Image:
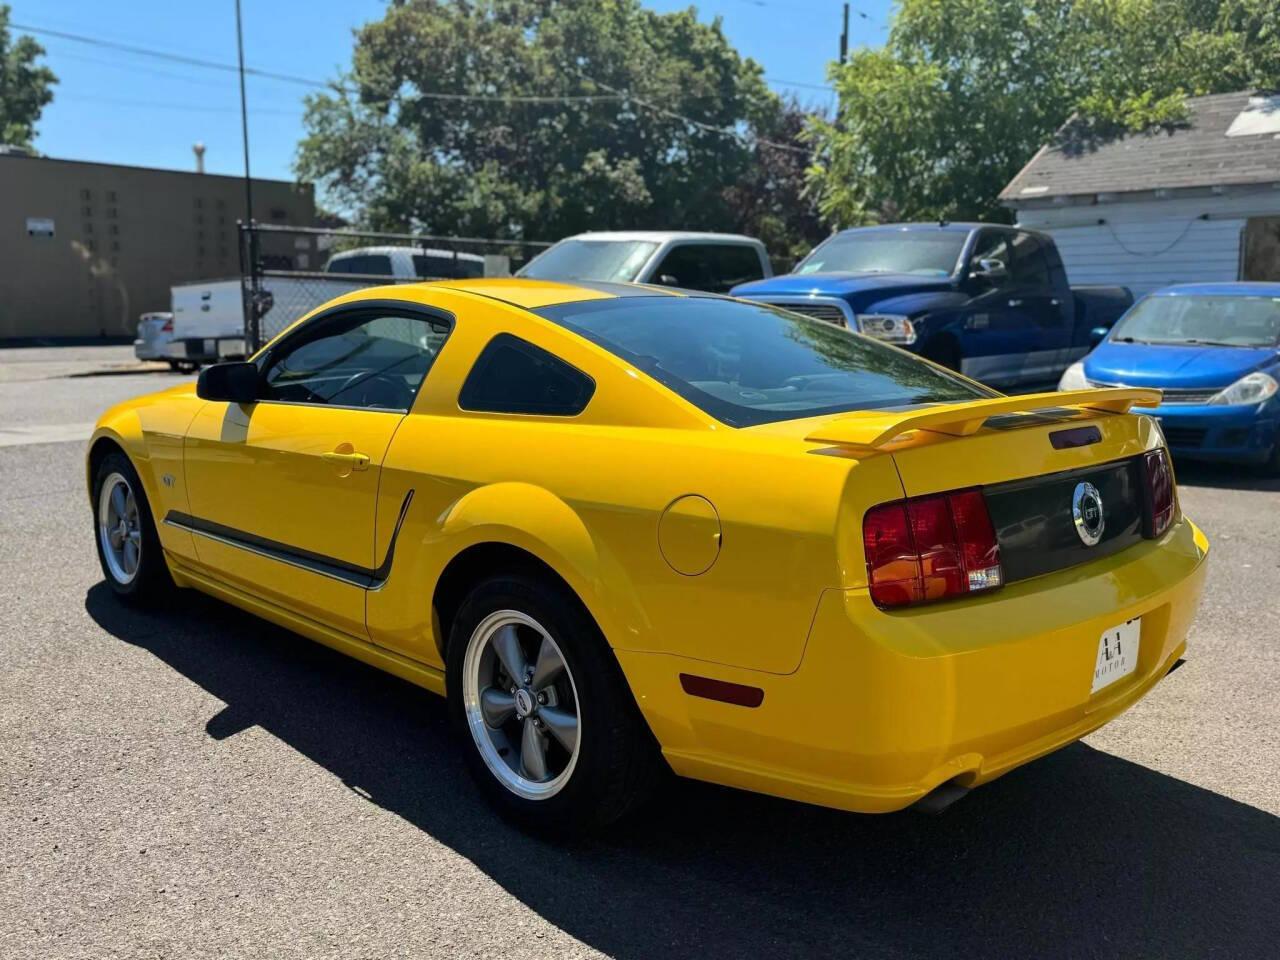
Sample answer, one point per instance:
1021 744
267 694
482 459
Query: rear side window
513 376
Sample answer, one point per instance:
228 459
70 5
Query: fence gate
286 272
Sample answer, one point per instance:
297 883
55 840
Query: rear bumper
886 706
1220 433
149 349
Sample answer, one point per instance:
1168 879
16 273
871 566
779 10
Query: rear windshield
749 363
1203 320
609 260
925 253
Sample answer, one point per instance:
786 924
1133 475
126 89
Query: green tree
596 114
965 92
24 86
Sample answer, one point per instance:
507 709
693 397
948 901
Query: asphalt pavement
196 783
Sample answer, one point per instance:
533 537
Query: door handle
1015 303
356 461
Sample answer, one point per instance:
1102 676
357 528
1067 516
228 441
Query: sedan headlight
889 327
1073 378
1250 389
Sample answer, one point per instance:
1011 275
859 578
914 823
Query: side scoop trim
367 578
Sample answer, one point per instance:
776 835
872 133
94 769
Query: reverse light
930 548
889 327
1159 490
1249 389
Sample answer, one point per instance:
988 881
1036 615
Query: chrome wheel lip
484 736
119 529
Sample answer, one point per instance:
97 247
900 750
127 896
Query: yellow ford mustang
618 524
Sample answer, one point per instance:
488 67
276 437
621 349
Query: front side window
513 376
714 267
993 245
372 264
373 359
924 253
445 266
749 363
585 259
1030 268
1203 320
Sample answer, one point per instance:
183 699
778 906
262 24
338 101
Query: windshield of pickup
926 253
749 363
610 260
1202 320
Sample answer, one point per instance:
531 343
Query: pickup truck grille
1174 395
818 310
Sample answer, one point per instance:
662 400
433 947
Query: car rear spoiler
875 428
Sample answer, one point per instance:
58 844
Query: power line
616 95
301 81
165 105
708 127
825 88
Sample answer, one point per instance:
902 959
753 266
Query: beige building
86 247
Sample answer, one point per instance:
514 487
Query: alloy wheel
119 528
521 704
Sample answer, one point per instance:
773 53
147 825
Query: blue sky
117 107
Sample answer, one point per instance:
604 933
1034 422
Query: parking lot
194 782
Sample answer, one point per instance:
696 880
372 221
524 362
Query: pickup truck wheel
942 352
129 548
553 736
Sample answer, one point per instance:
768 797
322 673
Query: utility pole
844 37
244 121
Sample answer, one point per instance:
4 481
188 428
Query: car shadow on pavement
1079 854
1226 476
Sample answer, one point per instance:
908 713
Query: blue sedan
1214 349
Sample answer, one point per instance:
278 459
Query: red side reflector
930 548
736 693
1160 488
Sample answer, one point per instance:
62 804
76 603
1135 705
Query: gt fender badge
167 479
1087 513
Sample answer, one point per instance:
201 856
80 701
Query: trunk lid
1027 455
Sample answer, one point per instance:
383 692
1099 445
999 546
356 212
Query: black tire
1272 465
618 763
150 582
943 352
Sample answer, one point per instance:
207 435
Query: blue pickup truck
990 301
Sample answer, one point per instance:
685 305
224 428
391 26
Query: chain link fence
286 272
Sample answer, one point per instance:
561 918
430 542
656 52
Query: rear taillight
167 326
930 548
1159 490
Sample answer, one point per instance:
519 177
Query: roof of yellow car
531 294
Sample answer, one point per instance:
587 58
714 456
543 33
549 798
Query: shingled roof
1198 154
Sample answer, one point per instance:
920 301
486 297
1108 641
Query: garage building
86 247
1200 202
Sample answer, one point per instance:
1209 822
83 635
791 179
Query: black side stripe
367 578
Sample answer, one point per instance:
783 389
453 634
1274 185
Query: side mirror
230 382
1097 335
667 280
991 270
